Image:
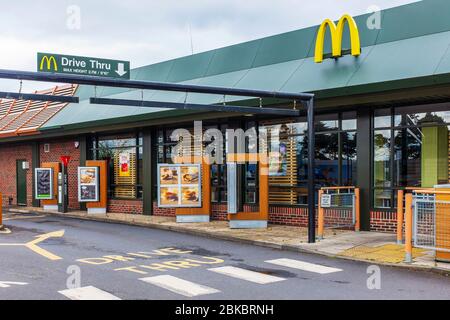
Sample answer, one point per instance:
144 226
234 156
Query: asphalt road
110 260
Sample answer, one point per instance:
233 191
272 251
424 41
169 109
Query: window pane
349 121
408 158
349 158
424 115
422 156
382 118
327 122
382 151
383 198
327 163
302 160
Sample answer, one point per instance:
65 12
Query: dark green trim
147 192
364 160
35 163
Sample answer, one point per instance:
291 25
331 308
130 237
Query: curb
259 243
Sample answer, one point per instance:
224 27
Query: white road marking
7 284
180 286
247 275
305 266
88 293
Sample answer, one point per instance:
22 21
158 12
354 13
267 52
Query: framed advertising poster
43 183
179 186
88 184
278 161
124 164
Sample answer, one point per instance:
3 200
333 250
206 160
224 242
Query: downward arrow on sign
121 69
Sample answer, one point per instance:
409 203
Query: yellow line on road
32 245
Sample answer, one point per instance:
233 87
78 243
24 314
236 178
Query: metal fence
338 209
431 221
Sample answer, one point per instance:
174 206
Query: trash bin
443 224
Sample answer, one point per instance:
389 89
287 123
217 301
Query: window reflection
414 152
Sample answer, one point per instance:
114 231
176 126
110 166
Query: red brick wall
9 154
163 212
383 221
125 206
65 147
296 216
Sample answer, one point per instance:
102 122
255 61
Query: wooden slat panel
290 179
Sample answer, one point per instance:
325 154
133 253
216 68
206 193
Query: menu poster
44 183
179 186
124 164
88 184
278 162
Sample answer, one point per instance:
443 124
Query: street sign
57 63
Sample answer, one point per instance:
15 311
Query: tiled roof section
20 117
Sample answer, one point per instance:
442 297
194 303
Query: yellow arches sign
336 37
48 60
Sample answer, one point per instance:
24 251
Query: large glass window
124 156
411 149
335 155
164 146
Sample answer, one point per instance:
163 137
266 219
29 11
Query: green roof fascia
126 119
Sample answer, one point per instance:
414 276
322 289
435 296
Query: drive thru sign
57 63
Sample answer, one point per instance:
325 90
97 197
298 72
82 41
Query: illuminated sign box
88 184
179 186
43 183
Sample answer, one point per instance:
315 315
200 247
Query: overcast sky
146 32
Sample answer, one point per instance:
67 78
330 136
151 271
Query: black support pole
311 182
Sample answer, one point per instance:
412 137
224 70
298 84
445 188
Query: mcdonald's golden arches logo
49 61
336 37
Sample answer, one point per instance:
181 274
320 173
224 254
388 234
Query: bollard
320 218
400 216
357 210
408 227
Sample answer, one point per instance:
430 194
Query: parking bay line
247 275
179 286
305 266
88 293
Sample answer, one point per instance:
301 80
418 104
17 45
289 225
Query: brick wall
9 154
65 147
383 221
125 206
163 212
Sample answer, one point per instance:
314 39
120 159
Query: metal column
311 182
